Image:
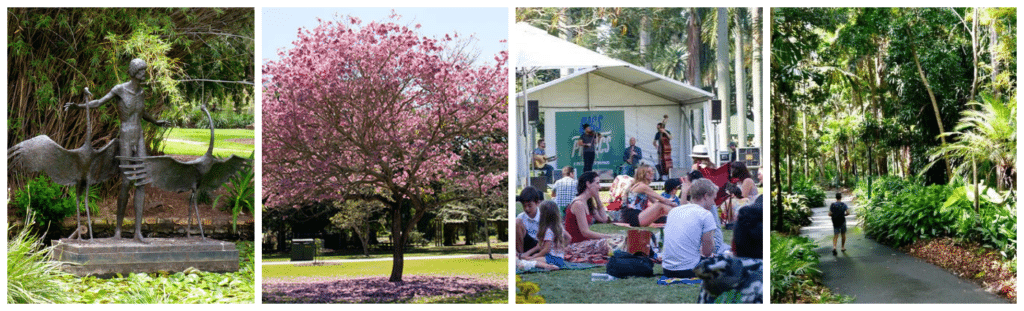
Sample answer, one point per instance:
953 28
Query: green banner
569 126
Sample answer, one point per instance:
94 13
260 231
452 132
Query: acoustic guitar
539 161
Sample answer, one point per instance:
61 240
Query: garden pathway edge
874 273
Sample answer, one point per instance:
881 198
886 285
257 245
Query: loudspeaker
716 111
533 110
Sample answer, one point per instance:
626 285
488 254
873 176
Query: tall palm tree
986 134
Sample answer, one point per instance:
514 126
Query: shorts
529 242
555 261
680 274
631 216
839 229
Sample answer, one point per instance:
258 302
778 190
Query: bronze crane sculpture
204 173
81 167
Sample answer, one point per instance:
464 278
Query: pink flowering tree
378 112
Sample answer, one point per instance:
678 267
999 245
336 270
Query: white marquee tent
601 83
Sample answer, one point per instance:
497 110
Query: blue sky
489 25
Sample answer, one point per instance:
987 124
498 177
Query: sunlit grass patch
196 141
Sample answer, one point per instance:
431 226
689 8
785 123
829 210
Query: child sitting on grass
551 249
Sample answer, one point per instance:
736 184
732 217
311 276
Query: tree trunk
777 175
398 245
993 40
722 76
935 104
364 239
756 73
694 44
645 39
741 89
974 53
487 234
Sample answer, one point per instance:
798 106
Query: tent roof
536 50
637 78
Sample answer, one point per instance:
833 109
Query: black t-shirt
838 210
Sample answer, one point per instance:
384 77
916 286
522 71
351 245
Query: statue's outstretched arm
94 103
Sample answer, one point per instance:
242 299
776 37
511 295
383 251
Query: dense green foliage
241 195
31 276
191 286
48 201
795 213
859 92
54 53
901 212
794 272
815 195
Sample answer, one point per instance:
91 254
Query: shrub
241 194
47 201
31 276
794 272
815 195
901 212
527 292
795 214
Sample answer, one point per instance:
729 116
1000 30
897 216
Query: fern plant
241 194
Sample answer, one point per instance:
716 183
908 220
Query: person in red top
585 209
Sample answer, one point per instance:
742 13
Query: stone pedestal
107 257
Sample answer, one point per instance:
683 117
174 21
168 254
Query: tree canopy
376 111
875 91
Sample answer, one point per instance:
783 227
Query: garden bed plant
794 272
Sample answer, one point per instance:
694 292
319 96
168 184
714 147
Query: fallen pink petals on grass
376 289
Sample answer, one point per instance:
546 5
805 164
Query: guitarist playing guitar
540 162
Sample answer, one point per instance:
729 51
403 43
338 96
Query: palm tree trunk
756 72
694 44
741 89
935 104
722 76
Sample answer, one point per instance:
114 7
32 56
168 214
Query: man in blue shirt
632 157
540 161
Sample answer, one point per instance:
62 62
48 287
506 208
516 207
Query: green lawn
574 286
478 268
479 249
196 141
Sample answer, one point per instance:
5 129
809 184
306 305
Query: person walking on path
838 211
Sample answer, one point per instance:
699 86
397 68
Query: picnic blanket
654 225
592 251
568 266
672 281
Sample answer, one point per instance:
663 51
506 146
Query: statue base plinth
107 257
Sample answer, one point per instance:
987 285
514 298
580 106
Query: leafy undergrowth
414 289
191 286
970 261
794 272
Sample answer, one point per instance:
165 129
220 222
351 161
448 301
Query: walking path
875 273
270 263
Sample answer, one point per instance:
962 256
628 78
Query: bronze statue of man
131 110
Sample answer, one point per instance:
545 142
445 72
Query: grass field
196 141
575 286
480 249
478 268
